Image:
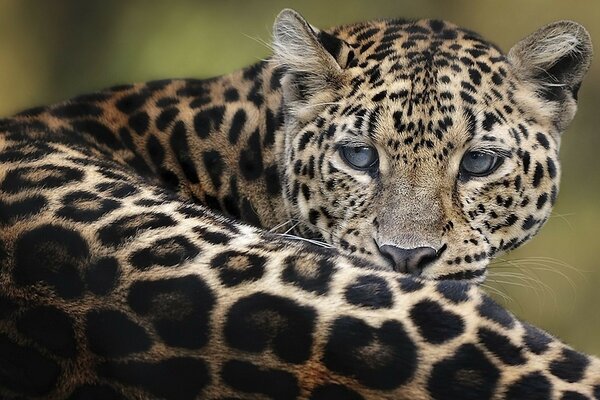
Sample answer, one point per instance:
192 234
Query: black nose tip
409 260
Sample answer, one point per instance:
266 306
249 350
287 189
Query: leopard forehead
422 88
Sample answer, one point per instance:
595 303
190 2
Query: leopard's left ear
312 61
555 59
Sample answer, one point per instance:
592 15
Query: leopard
314 226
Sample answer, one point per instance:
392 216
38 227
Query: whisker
533 265
563 217
541 264
281 225
258 40
311 241
313 226
505 297
505 291
519 271
560 263
291 228
548 262
513 283
536 284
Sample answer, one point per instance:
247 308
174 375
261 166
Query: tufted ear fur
555 59
311 61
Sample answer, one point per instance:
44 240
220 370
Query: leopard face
419 145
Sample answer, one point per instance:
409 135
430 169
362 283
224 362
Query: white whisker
311 241
498 292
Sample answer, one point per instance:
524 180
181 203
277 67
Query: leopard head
420 146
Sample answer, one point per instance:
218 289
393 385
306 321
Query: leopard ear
311 61
555 59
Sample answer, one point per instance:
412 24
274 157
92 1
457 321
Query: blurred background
53 50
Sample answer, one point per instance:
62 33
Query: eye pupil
360 157
476 163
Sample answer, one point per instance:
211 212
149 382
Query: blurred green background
54 49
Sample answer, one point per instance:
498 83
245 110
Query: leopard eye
476 164
360 157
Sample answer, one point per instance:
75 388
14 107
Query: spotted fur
129 266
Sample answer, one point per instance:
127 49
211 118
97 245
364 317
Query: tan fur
129 266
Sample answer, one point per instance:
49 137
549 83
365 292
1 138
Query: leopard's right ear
312 62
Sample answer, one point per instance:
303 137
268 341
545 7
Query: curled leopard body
144 230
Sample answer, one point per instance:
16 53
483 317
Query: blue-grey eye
476 163
360 157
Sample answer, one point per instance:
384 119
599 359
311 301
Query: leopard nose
411 261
